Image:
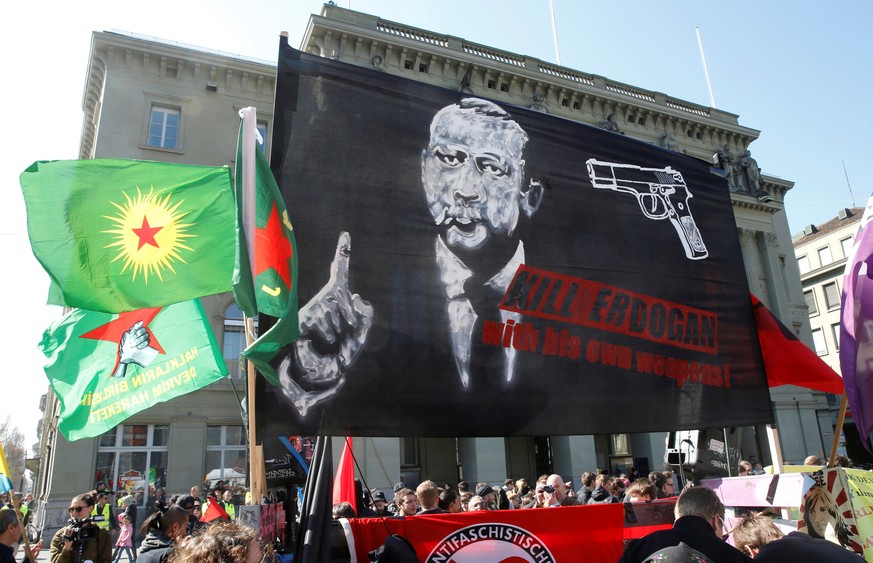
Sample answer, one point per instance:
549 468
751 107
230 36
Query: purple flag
856 330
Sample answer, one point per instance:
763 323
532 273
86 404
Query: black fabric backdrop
347 148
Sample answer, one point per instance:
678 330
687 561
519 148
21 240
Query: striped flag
5 481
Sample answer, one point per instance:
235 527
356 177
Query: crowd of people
697 535
173 531
102 531
548 491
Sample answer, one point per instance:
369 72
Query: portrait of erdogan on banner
473 175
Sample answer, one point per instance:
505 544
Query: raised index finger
339 268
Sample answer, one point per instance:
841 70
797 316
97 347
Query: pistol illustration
661 194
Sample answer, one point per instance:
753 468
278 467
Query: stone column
483 459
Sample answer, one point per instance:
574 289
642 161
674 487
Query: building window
803 264
492 85
133 458
832 296
262 130
234 340
504 87
818 339
836 330
422 68
164 127
225 456
809 295
619 444
846 245
409 452
824 256
577 105
407 64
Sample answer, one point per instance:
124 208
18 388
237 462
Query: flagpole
838 429
555 31
15 505
255 465
257 476
705 70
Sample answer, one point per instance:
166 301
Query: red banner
541 535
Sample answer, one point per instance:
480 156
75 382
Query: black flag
313 535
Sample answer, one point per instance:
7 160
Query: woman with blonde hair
221 542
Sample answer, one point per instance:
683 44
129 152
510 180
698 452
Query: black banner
471 268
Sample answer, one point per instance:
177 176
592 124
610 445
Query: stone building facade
822 252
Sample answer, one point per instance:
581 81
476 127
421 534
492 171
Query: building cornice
172 62
356 37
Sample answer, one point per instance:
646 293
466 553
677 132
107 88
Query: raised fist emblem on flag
134 349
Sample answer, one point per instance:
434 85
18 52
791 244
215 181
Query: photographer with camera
81 540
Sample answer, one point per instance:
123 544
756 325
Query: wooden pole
256 462
775 448
838 430
15 507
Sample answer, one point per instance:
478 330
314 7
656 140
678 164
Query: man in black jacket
10 535
699 525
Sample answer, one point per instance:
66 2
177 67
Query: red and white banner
539 535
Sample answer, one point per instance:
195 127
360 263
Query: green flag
107 367
265 274
118 235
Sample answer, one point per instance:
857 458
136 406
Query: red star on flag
113 330
146 233
273 249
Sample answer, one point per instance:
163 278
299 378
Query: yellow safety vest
230 508
107 514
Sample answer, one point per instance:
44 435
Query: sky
800 72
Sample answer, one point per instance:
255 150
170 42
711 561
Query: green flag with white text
119 235
107 367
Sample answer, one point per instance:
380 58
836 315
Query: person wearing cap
186 503
380 504
488 495
699 525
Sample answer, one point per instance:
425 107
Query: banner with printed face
548 535
836 507
468 267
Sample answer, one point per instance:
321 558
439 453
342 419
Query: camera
547 489
81 530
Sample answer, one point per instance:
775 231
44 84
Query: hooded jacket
155 548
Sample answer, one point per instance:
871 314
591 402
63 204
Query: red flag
543 535
344 484
214 510
787 360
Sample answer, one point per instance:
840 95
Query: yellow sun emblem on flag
149 234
